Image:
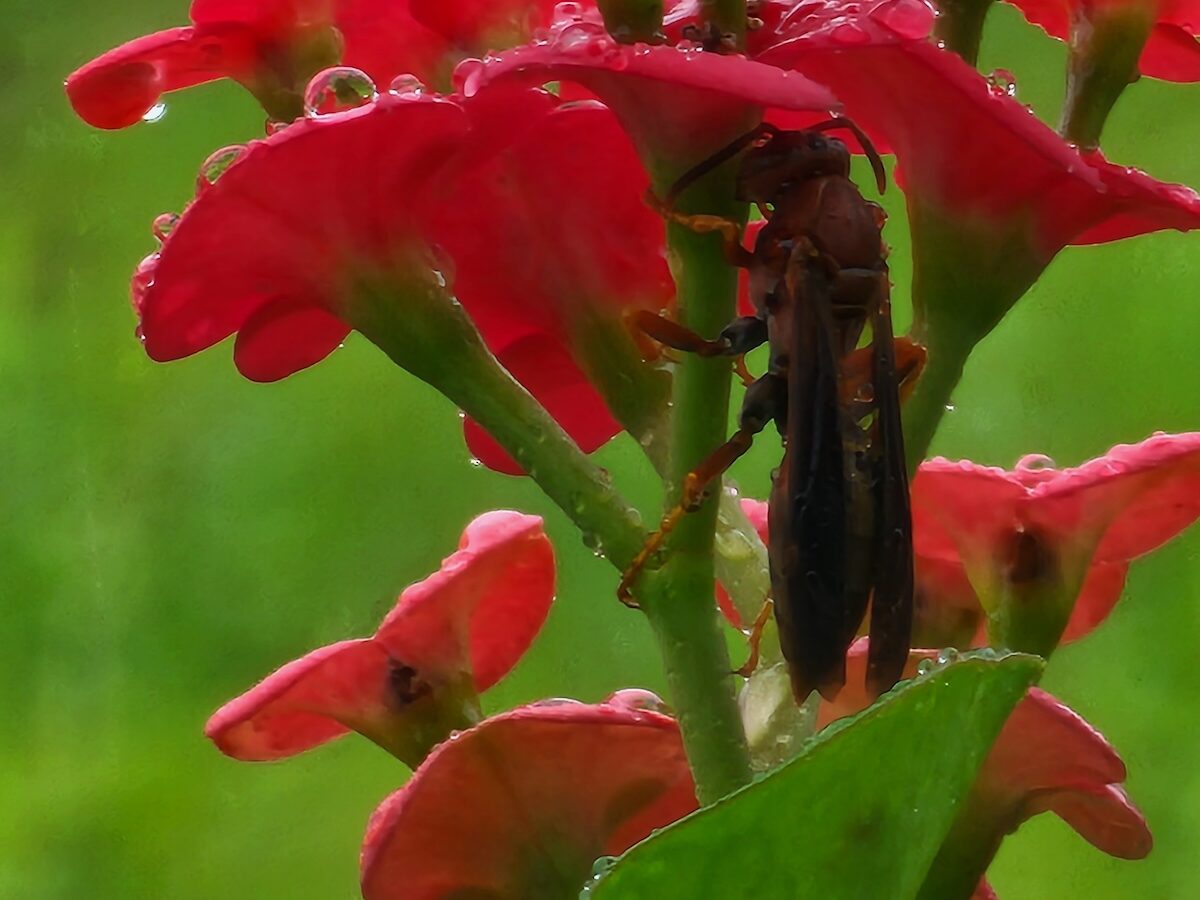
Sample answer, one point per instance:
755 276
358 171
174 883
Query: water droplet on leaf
337 90
946 656
925 666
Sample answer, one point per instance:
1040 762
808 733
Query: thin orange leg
754 639
694 486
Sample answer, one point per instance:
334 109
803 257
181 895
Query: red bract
1171 51
1046 759
524 803
272 47
450 636
673 101
332 206
1055 543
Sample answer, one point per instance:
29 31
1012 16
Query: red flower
524 803
673 101
1046 759
449 637
1047 549
1171 51
272 47
280 245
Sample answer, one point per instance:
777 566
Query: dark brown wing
892 601
808 503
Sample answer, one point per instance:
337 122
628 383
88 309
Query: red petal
541 789
115 90
477 26
948 126
1104 817
983 891
670 100
282 338
1101 590
309 701
961 504
293 220
481 610
546 220
1138 496
542 365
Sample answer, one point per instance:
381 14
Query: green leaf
860 814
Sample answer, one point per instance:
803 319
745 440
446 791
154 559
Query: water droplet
1002 83
568 12
550 702
946 656
849 33
475 462
163 225
462 414
602 865
218 163
467 75
274 126
1036 462
638 699
585 38
406 86
337 90
925 666
143 278
910 19
155 113
950 407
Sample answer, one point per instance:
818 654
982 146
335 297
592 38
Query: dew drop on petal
143 278
338 89
217 164
1002 83
849 33
550 702
164 224
637 699
155 113
910 19
1035 462
406 86
466 76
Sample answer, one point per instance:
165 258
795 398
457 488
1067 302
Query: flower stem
727 17
1104 51
678 599
427 332
960 25
930 401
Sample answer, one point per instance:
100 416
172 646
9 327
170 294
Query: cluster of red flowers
461 178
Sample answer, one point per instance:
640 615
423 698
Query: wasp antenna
865 142
765 130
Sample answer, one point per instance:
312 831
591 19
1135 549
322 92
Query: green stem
960 26
1105 47
965 855
678 599
428 333
924 410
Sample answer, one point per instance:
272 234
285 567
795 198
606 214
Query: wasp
840 522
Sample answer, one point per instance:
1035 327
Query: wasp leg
754 639
764 399
730 231
736 340
760 134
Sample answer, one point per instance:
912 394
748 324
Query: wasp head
786 159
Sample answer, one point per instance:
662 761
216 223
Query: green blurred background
169 534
